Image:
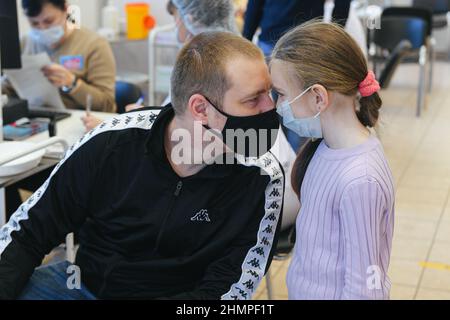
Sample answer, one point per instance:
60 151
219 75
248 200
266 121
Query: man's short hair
201 67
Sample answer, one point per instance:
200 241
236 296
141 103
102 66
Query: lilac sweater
345 226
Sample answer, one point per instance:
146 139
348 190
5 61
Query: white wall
401 2
157 9
91 12
23 24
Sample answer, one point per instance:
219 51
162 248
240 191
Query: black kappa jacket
144 231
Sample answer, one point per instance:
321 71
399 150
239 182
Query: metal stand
422 80
432 60
152 46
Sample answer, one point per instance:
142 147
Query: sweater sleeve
253 15
362 211
100 80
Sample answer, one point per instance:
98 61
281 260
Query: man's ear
321 96
198 108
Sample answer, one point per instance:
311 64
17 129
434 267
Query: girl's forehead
283 74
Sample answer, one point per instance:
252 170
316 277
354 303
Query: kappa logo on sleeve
201 216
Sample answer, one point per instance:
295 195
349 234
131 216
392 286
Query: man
150 226
193 17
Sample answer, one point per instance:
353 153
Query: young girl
346 189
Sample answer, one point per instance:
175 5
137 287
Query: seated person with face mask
152 226
83 66
83 61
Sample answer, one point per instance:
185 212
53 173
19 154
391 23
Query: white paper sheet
31 84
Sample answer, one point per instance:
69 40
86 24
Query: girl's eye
277 93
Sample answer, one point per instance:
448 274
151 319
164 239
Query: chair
395 29
427 15
285 245
439 8
441 17
126 93
392 62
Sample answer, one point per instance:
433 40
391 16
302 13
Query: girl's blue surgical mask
48 37
305 127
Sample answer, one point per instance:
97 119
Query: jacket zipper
112 265
106 274
176 194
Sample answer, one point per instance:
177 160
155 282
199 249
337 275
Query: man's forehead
248 76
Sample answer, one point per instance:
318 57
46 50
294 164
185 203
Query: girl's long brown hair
323 53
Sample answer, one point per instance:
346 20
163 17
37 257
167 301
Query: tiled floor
418 150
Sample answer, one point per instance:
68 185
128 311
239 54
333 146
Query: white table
70 129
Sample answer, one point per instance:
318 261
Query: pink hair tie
369 85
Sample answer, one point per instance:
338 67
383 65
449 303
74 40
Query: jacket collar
154 147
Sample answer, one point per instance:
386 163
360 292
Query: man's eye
253 100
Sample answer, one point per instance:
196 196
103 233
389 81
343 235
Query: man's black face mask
250 136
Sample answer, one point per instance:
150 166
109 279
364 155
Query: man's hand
58 75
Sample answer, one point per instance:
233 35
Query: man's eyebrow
257 93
